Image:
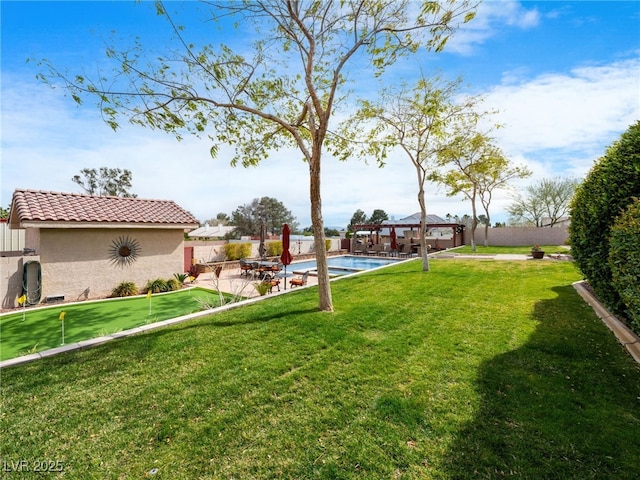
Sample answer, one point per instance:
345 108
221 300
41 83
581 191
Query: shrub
157 286
236 251
624 261
262 287
125 289
181 277
327 245
173 284
598 201
274 249
194 272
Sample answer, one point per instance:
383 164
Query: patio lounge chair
299 281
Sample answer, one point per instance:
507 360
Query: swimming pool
343 264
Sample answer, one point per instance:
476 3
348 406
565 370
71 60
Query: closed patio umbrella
261 249
286 255
394 239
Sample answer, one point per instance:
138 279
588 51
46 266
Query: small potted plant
537 252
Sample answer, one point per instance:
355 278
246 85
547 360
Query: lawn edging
625 336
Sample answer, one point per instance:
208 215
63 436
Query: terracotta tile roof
41 206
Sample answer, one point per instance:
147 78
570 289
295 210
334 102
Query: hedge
624 261
599 200
236 251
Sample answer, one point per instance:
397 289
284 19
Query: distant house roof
415 218
36 208
209 231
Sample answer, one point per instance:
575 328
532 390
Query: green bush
274 249
236 251
327 245
598 201
624 261
125 289
181 277
158 285
174 284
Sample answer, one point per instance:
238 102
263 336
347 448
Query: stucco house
82 246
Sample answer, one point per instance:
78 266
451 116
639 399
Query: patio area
232 282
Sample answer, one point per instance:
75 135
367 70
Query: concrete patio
231 281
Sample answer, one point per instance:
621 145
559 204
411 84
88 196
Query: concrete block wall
519 236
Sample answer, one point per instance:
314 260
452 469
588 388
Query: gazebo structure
382 230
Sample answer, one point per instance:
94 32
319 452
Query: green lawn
482 250
472 370
32 330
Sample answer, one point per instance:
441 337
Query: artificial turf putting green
41 328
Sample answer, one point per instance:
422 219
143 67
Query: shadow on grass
546 410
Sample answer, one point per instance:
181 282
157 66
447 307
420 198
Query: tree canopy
249 218
543 203
105 181
279 92
220 219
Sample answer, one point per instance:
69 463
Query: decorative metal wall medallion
124 251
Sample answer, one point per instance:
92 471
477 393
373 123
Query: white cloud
580 110
490 17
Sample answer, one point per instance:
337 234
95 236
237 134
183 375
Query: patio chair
271 281
258 271
300 281
245 267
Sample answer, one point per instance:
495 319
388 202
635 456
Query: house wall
11 279
519 236
77 263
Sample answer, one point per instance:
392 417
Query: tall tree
498 173
358 217
416 120
248 218
220 219
378 216
474 167
105 181
281 91
544 202
462 162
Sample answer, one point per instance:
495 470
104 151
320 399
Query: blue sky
565 77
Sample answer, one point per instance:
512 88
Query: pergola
456 228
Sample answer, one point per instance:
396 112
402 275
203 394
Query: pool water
343 265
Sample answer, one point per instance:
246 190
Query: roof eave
109 225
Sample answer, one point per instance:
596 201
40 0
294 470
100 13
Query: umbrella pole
285 277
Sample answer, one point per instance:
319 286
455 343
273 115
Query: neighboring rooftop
40 208
211 231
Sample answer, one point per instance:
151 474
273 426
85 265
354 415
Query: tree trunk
486 235
423 230
474 220
486 230
325 303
